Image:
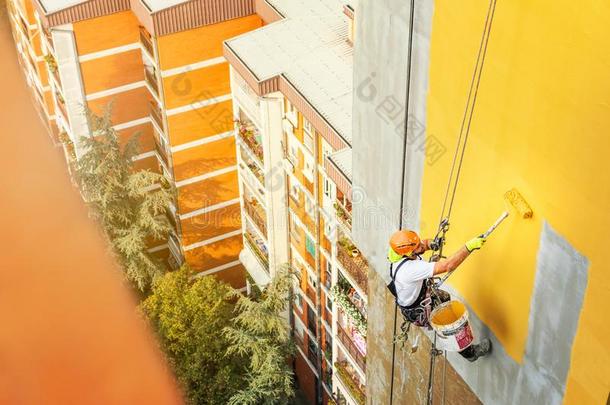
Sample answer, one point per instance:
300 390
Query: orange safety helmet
404 242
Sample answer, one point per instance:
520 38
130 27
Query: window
310 246
327 150
311 281
292 113
310 208
328 188
329 304
329 230
308 169
294 230
298 302
295 193
293 151
308 135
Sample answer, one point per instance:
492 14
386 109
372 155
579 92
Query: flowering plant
351 311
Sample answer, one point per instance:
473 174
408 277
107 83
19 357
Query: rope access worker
412 280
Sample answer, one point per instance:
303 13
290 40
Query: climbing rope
456 167
404 168
452 183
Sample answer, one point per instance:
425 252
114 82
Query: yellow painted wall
541 125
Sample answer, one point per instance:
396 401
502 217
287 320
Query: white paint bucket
450 322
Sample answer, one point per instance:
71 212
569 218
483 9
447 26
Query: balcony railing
151 79
345 338
261 256
146 41
176 252
252 166
155 113
248 134
343 215
351 383
328 317
257 215
353 262
55 73
311 293
162 153
298 340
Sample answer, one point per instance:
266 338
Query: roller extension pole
496 224
485 235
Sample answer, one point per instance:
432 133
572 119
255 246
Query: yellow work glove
475 243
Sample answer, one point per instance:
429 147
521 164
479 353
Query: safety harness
418 313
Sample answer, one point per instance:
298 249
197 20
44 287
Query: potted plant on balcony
341 298
51 63
349 246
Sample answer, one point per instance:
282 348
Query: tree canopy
261 335
129 204
189 316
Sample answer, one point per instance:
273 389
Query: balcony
48 37
146 41
312 353
353 262
251 137
175 260
350 346
344 215
252 165
151 80
328 317
351 382
162 153
311 293
258 248
156 115
256 214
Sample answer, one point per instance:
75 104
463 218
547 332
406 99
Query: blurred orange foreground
69 332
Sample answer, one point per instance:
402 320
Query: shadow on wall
559 289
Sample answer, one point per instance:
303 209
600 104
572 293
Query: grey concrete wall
381 57
380 100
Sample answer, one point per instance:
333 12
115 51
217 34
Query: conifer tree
129 204
260 334
189 315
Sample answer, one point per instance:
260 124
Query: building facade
159 66
294 164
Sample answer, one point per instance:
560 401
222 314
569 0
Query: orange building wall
201 122
111 31
203 43
112 71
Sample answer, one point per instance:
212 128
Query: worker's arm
452 262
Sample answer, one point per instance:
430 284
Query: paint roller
514 198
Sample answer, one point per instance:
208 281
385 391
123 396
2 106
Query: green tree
189 316
129 204
260 334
